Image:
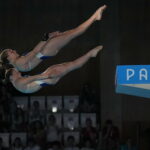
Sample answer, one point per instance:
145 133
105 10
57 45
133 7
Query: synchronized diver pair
13 64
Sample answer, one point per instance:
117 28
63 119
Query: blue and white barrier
133 80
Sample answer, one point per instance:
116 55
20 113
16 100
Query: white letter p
130 73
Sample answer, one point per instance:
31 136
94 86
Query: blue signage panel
133 74
130 77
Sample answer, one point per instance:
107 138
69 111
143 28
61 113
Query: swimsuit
41 56
41 83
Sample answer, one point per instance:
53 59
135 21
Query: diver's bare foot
94 51
99 12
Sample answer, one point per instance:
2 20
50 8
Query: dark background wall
124 32
135 49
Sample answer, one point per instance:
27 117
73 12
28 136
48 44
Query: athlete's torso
27 65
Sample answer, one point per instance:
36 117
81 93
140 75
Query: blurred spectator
88 99
32 145
71 144
55 146
35 112
1 145
2 119
37 132
4 123
5 94
110 136
18 120
5 102
17 144
13 107
87 145
5 98
52 130
89 132
128 145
